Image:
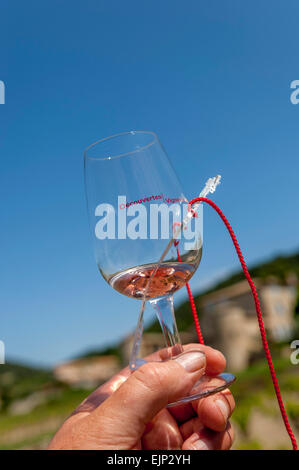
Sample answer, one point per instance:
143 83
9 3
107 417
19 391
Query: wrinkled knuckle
150 376
229 400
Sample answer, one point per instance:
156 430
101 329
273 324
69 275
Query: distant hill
20 371
106 351
280 267
17 381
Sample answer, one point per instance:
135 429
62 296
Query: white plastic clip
210 186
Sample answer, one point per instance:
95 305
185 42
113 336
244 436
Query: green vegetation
250 445
59 405
35 427
253 390
113 350
17 381
293 411
280 267
36 442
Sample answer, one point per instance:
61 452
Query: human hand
128 411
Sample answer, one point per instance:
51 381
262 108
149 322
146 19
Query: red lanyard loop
258 311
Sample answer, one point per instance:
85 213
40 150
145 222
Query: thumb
121 420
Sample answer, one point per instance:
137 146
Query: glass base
206 386
136 364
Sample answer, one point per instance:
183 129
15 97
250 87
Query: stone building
229 321
87 372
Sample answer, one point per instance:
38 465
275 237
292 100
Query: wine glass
136 206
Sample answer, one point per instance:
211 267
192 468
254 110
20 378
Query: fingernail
192 361
223 408
200 445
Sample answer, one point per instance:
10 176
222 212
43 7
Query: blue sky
211 78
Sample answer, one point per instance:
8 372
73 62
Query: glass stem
164 310
134 361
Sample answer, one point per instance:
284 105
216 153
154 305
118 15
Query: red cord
258 311
192 303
